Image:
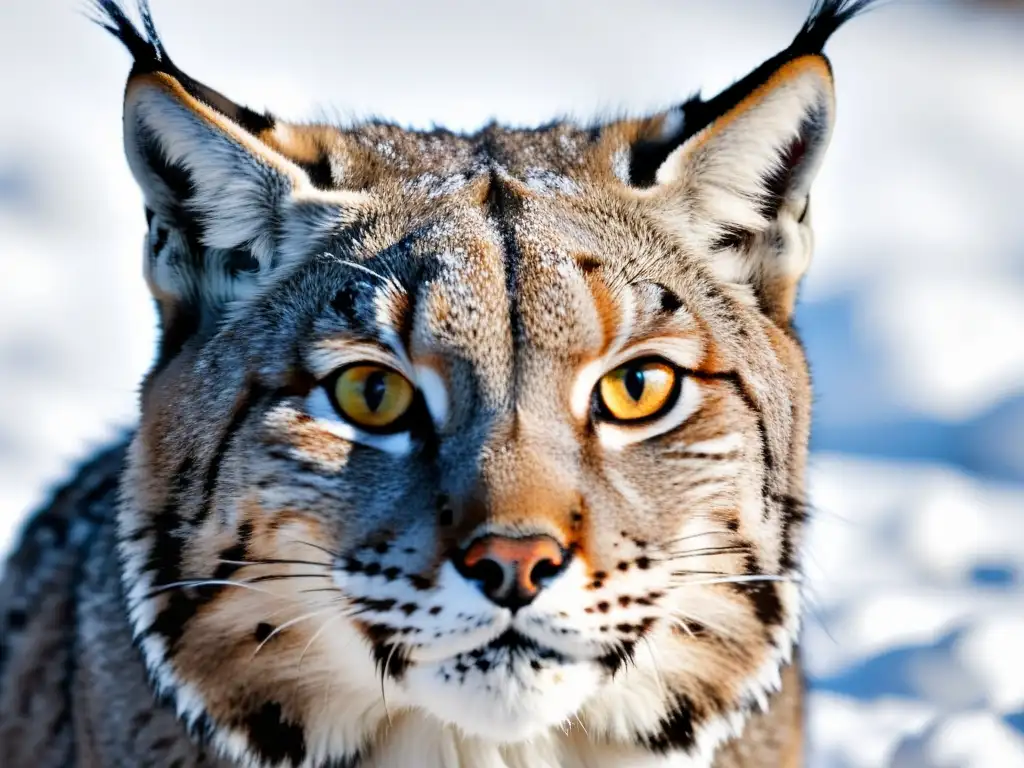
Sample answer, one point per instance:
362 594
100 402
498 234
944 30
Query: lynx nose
512 571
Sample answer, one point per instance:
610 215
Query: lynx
472 450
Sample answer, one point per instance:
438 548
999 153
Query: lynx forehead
459 449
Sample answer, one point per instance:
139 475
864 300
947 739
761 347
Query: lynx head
494 438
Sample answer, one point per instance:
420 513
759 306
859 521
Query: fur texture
274 585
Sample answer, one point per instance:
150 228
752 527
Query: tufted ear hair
734 173
227 208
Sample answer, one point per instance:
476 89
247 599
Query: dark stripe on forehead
502 206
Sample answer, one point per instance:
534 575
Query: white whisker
740 579
680 617
316 634
656 669
581 724
383 678
287 624
209 583
273 561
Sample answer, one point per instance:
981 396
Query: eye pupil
634 383
374 389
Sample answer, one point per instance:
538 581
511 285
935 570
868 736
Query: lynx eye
638 390
372 396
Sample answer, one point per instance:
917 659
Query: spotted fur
252 580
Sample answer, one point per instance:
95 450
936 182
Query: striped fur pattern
276 587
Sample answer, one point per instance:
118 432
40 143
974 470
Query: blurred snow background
913 313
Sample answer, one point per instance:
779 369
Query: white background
913 314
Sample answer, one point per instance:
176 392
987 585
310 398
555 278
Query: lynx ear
227 209
747 177
761 155
734 173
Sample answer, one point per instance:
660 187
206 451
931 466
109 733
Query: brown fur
293 590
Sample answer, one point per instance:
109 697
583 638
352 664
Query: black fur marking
178 181
779 182
618 657
732 238
647 155
159 239
345 301
320 173
763 595
766 453
146 49
588 263
794 514
175 333
391 659
166 557
247 400
670 301
353 760
275 739
149 56
825 18
421 583
502 209
234 554
240 261
165 560
676 729
445 515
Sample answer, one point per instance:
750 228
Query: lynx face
495 439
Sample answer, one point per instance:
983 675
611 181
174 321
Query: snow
913 313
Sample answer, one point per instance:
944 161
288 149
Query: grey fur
251 579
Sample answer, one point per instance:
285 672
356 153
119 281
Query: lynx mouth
511 652
516 644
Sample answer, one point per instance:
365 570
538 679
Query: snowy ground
914 312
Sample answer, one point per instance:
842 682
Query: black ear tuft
825 18
150 56
145 48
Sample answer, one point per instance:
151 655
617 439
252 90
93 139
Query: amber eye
372 396
638 390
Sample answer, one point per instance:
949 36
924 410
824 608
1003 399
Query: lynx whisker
293 622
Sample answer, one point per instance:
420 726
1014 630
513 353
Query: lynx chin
469 450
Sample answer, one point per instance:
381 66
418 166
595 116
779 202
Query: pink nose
512 571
